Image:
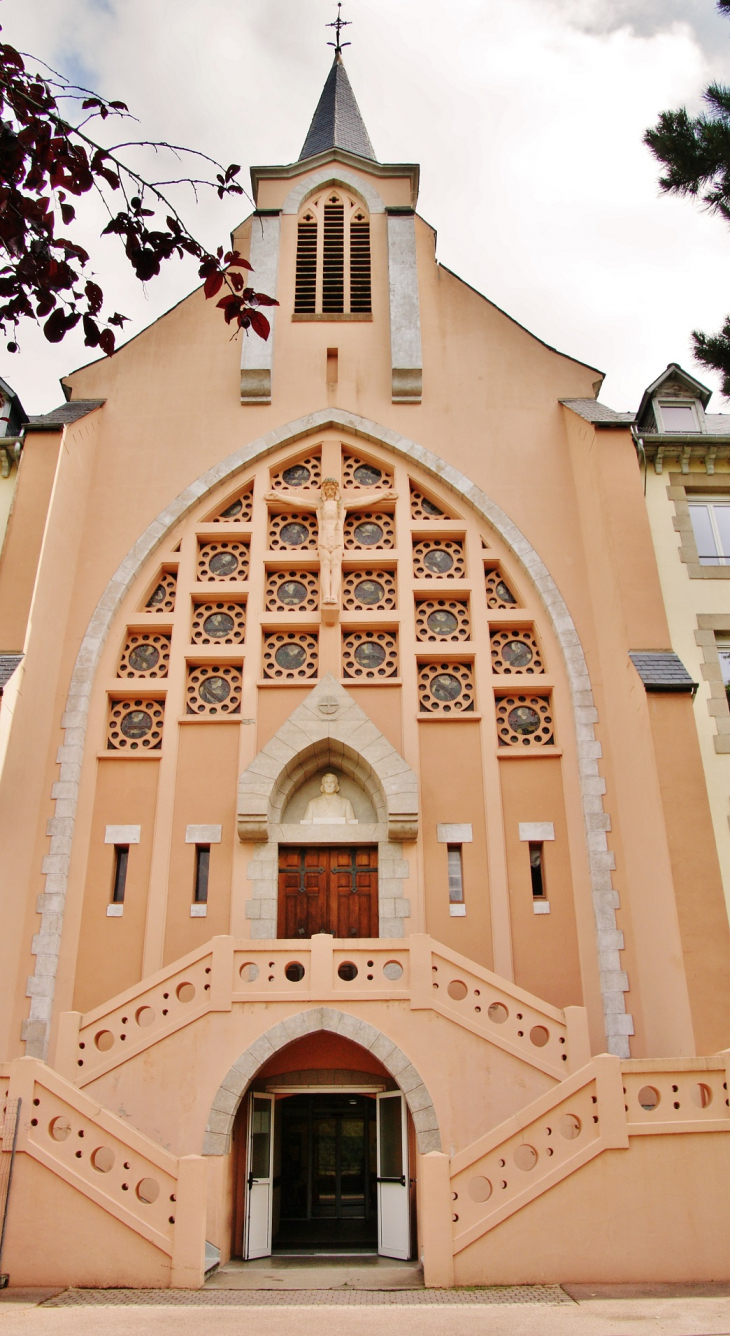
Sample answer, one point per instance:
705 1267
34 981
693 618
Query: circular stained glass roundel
523 719
233 510
143 658
223 563
290 656
429 508
369 591
446 687
297 476
367 475
217 625
369 654
292 592
136 724
368 534
294 534
158 596
504 593
517 654
214 690
438 560
442 622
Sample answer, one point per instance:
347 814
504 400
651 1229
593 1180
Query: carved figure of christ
330 508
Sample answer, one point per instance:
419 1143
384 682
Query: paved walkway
539 1310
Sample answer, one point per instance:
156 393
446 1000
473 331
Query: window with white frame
711 526
723 653
675 416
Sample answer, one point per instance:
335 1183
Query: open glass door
260 1165
393 1184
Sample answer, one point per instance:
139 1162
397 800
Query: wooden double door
328 890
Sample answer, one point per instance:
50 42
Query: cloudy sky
526 116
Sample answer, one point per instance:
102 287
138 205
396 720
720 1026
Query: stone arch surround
217 1139
609 941
333 174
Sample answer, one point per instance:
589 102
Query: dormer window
676 416
333 257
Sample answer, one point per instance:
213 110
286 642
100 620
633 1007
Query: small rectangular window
333 358
711 527
202 867
121 859
678 417
723 653
537 871
456 877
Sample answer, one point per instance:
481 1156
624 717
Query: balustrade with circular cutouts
293 531
219 622
145 654
156 1009
672 1096
135 724
446 687
213 689
499 589
223 561
370 655
290 655
498 1015
442 619
439 559
365 529
368 589
303 472
292 591
236 510
162 595
363 475
515 651
525 720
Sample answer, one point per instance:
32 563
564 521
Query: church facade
359 885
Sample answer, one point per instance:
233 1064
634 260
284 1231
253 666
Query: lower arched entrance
324 1155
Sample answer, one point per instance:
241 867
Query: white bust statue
329 809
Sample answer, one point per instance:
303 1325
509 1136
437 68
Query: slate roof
599 414
337 122
61 417
662 670
8 664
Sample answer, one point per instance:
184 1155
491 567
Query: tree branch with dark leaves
44 160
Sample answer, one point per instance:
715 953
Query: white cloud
527 118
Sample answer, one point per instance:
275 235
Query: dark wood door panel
328 890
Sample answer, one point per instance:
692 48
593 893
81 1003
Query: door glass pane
324 1150
391 1138
352 1167
722 521
260 1137
704 537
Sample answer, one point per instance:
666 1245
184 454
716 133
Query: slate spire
337 122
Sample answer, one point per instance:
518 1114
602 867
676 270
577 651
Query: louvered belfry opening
333 270
305 297
360 294
333 259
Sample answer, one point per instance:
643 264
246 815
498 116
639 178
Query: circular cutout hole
701 1095
497 1013
148 1190
649 1097
144 1016
347 971
185 992
294 972
569 1126
393 970
539 1036
457 990
249 972
104 1040
525 1157
480 1188
102 1159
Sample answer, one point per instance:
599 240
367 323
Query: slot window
537 872
202 868
456 874
121 862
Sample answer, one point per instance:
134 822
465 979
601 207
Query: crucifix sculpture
330 508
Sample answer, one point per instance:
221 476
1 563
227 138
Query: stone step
318 1272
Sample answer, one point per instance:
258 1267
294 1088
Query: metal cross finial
338 25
